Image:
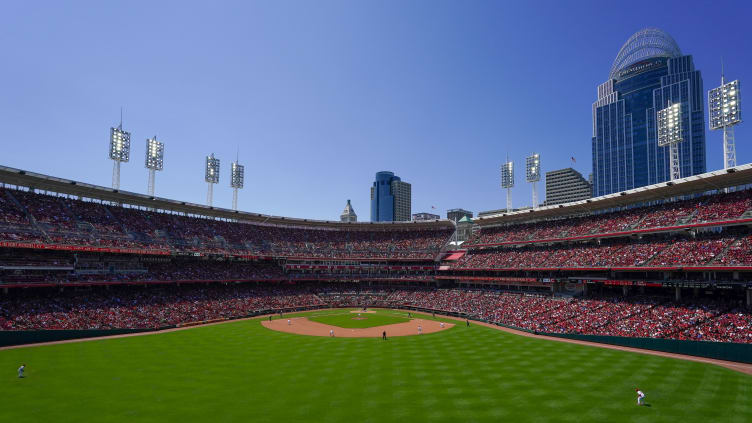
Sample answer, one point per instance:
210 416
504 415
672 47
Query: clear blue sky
320 95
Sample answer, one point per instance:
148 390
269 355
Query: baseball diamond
239 371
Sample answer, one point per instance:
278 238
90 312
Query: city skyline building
348 215
424 216
649 74
391 198
566 185
455 215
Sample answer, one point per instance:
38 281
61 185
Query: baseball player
420 329
640 397
331 332
442 325
383 336
21 370
288 322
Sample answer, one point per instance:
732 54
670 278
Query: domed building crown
644 44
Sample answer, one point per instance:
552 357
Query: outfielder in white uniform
640 397
21 370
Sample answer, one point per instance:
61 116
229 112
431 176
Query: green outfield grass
243 372
349 320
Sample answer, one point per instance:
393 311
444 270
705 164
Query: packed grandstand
672 262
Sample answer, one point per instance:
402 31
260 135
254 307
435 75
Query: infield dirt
303 326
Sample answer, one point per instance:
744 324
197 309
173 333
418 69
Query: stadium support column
677 293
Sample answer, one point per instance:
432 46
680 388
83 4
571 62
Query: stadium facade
391 198
649 73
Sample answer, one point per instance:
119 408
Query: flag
573 159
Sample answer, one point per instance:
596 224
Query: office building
455 215
566 185
391 199
649 73
417 217
348 215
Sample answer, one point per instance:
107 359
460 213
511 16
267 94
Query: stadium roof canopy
698 184
644 44
17 177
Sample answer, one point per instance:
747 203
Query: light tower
670 134
507 181
237 175
154 160
120 151
724 110
532 174
211 176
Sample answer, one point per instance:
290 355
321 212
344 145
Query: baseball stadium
625 296
130 307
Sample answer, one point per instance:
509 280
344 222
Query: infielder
331 332
442 325
640 397
288 322
420 329
21 370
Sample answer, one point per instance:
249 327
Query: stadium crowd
728 249
719 207
35 217
155 306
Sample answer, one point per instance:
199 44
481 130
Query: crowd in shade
731 249
652 317
148 307
124 270
36 217
715 208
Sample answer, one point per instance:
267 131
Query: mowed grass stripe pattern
348 319
241 371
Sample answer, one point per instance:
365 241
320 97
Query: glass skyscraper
390 198
648 74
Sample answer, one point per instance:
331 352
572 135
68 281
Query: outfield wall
22 337
718 350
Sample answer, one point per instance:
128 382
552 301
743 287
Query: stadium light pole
670 134
154 161
507 181
237 176
211 176
724 110
120 150
532 174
